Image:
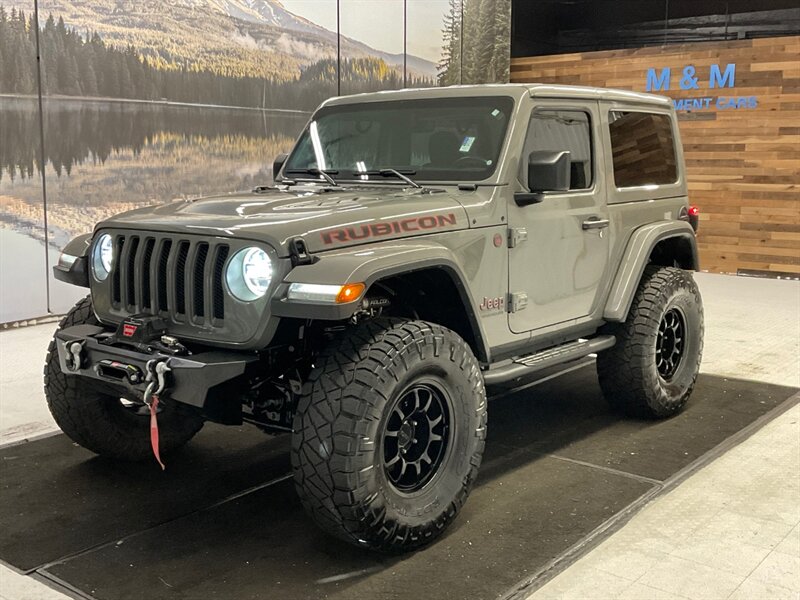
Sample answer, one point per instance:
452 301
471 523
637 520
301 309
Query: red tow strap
154 430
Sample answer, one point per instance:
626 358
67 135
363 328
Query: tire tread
347 389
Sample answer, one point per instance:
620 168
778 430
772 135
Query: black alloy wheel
670 343
416 437
651 371
388 435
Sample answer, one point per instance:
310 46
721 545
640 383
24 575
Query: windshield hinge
517 301
299 254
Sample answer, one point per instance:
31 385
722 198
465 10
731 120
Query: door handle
595 223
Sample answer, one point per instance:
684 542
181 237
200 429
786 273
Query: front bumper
192 379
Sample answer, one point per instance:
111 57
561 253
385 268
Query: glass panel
643 149
431 42
486 47
433 139
23 276
555 131
372 45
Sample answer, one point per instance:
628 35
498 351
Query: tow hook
74 356
156 378
157 382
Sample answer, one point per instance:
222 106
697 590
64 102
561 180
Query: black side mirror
277 165
547 172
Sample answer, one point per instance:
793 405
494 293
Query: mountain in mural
85 66
237 38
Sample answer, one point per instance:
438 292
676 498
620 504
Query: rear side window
557 130
643 149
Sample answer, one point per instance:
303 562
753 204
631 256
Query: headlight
249 274
102 257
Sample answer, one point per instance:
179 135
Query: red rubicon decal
363 232
128 330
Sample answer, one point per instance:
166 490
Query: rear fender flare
635 259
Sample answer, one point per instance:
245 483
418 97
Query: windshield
440 139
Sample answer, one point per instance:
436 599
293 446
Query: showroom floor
733 529
680 545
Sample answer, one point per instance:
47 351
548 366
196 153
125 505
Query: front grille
177 278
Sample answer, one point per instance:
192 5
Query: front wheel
389 435
652 369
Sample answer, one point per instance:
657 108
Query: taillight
694 217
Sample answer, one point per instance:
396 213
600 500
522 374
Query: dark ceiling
560 26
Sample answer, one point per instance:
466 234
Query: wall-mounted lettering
660 80
717 78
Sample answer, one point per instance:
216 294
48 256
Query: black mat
57 498
534 499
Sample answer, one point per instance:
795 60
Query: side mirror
547 172
277 165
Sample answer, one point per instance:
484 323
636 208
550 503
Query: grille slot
147 257
176 278
163 260
180 278
116 288
130 274
218 291
198 289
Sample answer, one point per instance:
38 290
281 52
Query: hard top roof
535 90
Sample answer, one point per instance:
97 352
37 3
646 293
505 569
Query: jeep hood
324 219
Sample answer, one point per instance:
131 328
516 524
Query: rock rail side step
538 361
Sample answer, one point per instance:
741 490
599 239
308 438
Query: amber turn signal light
350 292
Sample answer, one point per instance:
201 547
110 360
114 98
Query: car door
560 245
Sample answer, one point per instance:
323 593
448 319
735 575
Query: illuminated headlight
334 294
249 274
102 257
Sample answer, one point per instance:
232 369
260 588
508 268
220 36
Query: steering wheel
471 160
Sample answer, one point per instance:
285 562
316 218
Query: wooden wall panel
743 165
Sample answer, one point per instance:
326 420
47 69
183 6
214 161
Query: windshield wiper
321 173
396 173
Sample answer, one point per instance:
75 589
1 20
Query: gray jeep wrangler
417 246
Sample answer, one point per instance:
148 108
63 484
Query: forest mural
146 102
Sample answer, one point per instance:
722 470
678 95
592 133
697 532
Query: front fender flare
368 265
634 260
76 273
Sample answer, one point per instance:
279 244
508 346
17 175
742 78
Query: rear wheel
389 435
652 369
106 424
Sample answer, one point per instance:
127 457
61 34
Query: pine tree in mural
16 42
482 28
449 67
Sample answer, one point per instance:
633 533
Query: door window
559 130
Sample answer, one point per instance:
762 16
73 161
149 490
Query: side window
643 149
557 130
